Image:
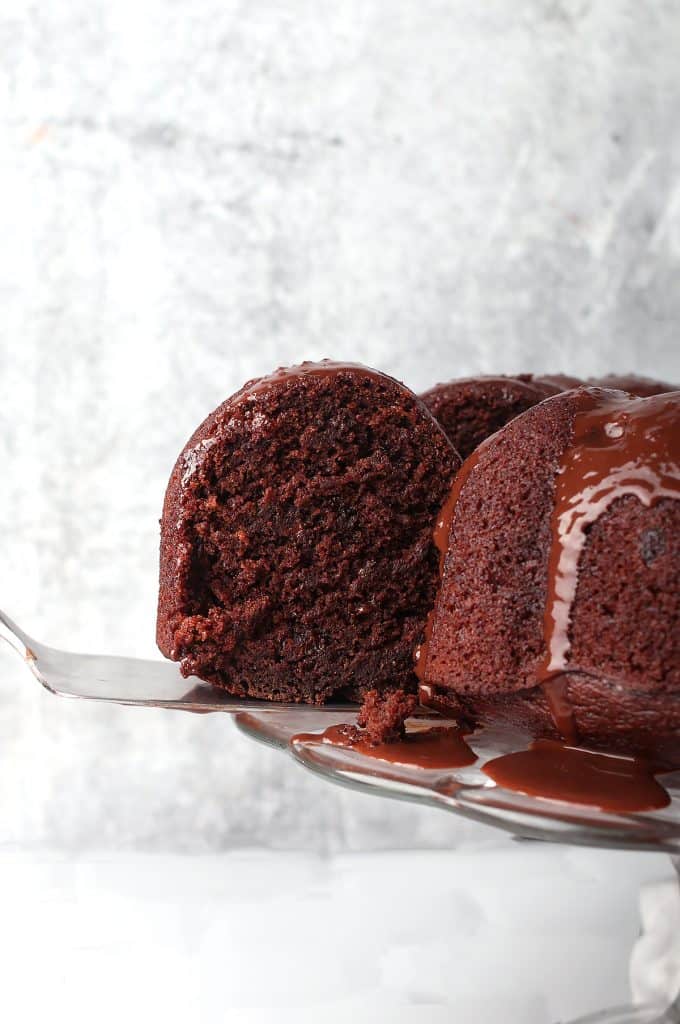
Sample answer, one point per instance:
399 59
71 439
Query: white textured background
192 194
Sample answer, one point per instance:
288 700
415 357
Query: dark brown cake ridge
297 560
472 408
643 387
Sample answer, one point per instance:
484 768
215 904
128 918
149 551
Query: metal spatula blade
131 681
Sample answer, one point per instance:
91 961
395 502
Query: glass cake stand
466 791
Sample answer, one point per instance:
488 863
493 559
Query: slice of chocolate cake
297 560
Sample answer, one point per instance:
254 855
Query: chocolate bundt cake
297 560
559 604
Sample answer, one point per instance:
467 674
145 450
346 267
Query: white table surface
526 933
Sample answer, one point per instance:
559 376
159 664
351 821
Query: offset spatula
133 681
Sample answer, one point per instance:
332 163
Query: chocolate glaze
621 445
323 368
559 772
437 749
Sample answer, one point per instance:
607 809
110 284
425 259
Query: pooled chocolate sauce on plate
438 748
556 771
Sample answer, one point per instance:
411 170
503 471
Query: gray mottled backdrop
192 194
